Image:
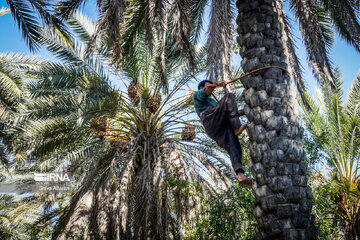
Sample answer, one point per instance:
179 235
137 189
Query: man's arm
210 87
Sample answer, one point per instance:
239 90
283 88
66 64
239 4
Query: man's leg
231 109
226 139
220 123
226 108
230 142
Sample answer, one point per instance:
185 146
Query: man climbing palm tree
221 123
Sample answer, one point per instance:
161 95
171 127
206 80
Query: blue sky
342 55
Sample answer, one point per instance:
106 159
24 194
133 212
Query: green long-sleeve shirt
202 101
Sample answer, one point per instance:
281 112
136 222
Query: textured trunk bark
79 218
283 199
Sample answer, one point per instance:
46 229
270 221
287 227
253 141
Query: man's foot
240 130
244 180
241 112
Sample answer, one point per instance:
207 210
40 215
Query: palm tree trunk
283 199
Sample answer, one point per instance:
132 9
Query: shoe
240 130
242 179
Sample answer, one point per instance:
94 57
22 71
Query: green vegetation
226 215
335 127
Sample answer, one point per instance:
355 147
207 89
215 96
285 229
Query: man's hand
209 88
220 84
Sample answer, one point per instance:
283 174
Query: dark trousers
219 122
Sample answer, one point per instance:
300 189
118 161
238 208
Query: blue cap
202 83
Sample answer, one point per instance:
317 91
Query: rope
185 89
176 89
190 90
256 70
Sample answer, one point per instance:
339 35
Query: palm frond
197 12
21 62
219 41
326 27
354 96
296 68
180 15
82 26
135 13
24 16
62 49
51 21
11 85
27 14
64 9
344 17
335 126
157 16
109 23
315 42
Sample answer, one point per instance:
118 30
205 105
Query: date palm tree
283 199
335 125
14 69
125 150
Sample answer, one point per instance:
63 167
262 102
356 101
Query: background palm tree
335 125
126 153
17 214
